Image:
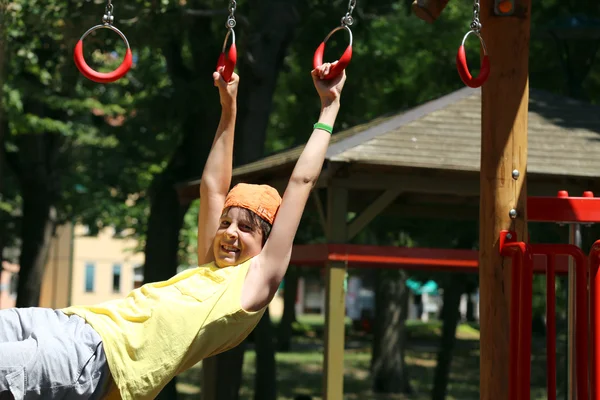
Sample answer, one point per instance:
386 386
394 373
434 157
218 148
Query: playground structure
527 259
371 171
505 260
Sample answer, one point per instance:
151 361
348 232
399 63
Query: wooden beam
452 185
433 212
373 210
320 210
503 149
410 183
335 312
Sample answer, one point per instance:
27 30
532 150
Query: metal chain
476 24
108 18
231 19
348 19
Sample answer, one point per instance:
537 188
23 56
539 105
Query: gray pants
45 354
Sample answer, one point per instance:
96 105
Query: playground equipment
226 62
527 259
461 56
573 211
344 60
101 77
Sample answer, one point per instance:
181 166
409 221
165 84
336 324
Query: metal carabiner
463 68
86 70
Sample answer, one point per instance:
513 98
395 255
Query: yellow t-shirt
161 329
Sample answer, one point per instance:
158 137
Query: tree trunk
3 121
290 291
264 382
452 294
34 165
388 366
39 218
164 224
223 365
470 317
276 21
3 129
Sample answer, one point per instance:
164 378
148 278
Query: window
117 278
138 276
90 269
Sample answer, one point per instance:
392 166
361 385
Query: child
131 348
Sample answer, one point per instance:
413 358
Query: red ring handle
101 77
463 68
226 62
342 62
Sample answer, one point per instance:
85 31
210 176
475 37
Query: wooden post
505 99
335 313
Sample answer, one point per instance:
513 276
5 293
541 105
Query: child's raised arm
275 256
216 177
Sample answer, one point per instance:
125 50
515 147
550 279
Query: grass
300 371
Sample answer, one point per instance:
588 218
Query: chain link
348 19
108 18
230 24
476 24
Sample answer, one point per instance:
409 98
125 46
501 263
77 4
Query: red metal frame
527 259
551 328
520 314
581 317
389 257
563 208
521 309
594 263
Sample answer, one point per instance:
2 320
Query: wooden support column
505 99
335 313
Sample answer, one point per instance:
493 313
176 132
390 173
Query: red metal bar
563 208
515 308
551 328
581 309
520 318
389 257
594 263
525 326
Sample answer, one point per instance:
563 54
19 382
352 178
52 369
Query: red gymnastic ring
226 62
102 77
463 68
344 60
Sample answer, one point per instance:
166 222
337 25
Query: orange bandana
263 200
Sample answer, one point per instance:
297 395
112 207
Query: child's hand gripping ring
226 62
102 77
344 60
463 68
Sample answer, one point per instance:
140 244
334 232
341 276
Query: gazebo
422 162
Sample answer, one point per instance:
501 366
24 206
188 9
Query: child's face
238 239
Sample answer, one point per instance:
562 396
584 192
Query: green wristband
324 127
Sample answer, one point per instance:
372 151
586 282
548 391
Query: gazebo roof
445 135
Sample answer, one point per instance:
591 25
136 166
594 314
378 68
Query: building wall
94 259
56 282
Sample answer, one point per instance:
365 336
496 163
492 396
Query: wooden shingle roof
563 137
445 134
